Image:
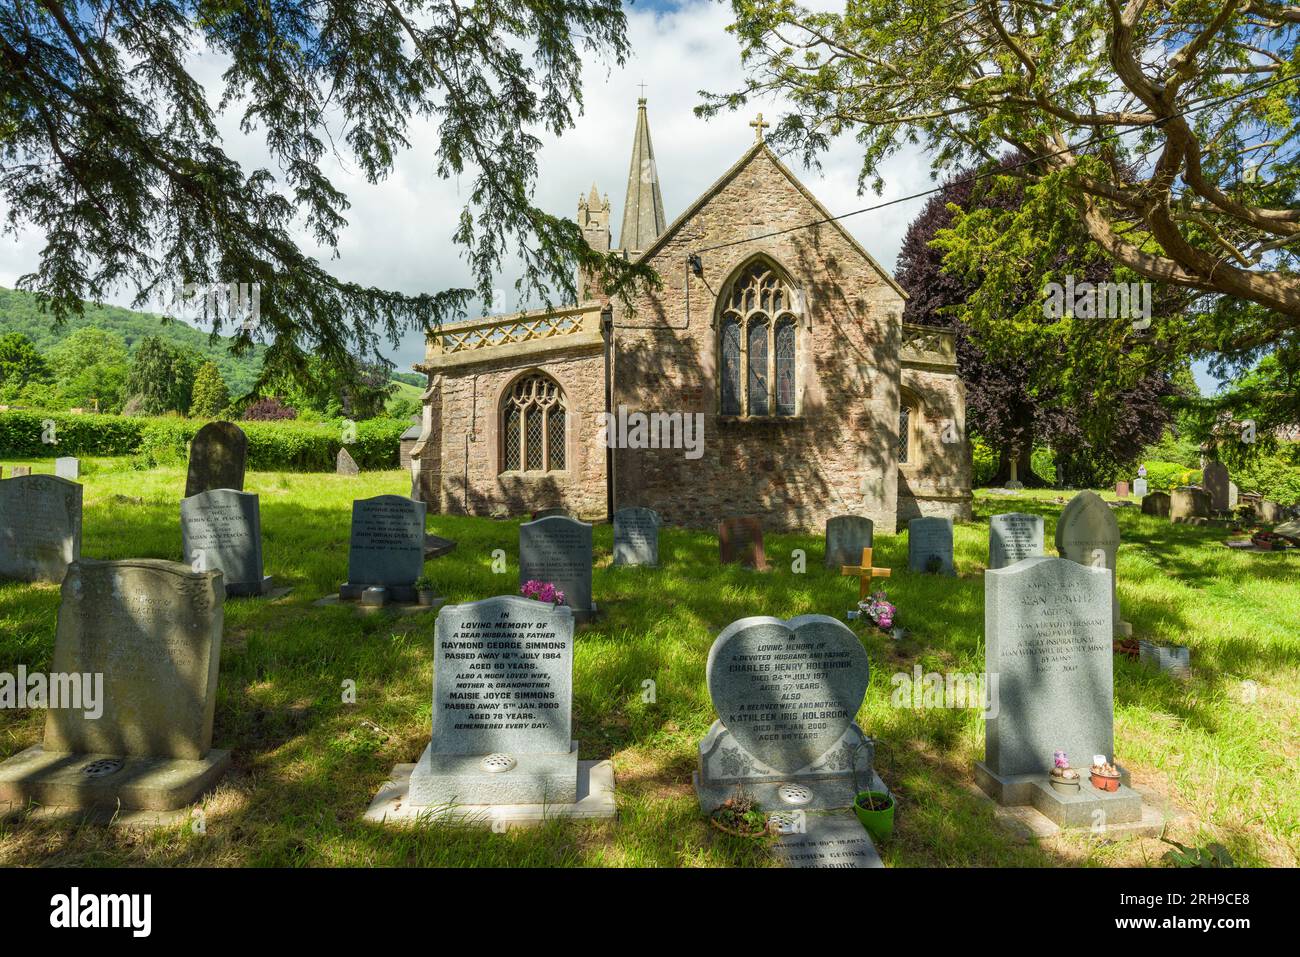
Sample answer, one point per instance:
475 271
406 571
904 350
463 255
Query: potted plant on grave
874 809
1104 775
425 591
542 591
1063 778
740 816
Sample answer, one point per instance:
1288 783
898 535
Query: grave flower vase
875 809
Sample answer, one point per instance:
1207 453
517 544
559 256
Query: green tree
162 377
20 364
91 367
112 150
210 396
1168 131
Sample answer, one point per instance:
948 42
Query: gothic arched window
757 345
533 426
909 420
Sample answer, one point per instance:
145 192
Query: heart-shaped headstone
787 690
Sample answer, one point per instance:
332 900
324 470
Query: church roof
824 214
643 209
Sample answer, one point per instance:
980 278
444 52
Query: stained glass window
785 368
731 367
758 344
758 329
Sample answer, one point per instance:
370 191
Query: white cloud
399 232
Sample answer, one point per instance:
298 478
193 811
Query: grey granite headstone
502 707
1139 488
386 546
345 464
40 527
1013 536
558 550
1214 478
1047 638
1156 503
218 455
1088 533
929 538
846 536
827 840
786 694
152 630
68 467
636 536
222 530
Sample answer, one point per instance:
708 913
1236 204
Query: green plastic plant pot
880 822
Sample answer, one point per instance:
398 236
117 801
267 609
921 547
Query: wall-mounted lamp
696 264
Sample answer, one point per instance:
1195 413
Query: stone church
771 375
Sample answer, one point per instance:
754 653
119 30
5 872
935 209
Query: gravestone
40 527
1088 533
740 542
1048 639
1121 489
68 467
218 455
1234 496
150 631
558 550
827 840
1013 536
1140 487
929 539
20 470
786 695
1188 505
222 530
1157 504
385 548
636 536
1268 511
503 718
846 536
1214 478
344 464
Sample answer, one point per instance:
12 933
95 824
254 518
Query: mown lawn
1222 748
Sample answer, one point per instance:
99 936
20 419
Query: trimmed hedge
1167 476
272 446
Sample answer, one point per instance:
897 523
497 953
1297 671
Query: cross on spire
759 126
642 85
865 573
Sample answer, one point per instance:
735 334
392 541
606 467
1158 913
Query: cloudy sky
399 233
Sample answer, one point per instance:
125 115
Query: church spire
643 210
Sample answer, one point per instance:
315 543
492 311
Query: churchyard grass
1223 748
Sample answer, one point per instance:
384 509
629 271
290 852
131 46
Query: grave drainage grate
103 767
496 763
795 794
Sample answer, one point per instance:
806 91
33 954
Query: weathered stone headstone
1140 487
1268 511
68 467
1188 505
1214 477
1234 495
385 548
1157 504
636 536
503 712
40 527
786 695
1121 489
740 542
1013 536
929 544
152 630
344 464
1088 533
558 550
218 455
222 530
20 470
846 536
1048 640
